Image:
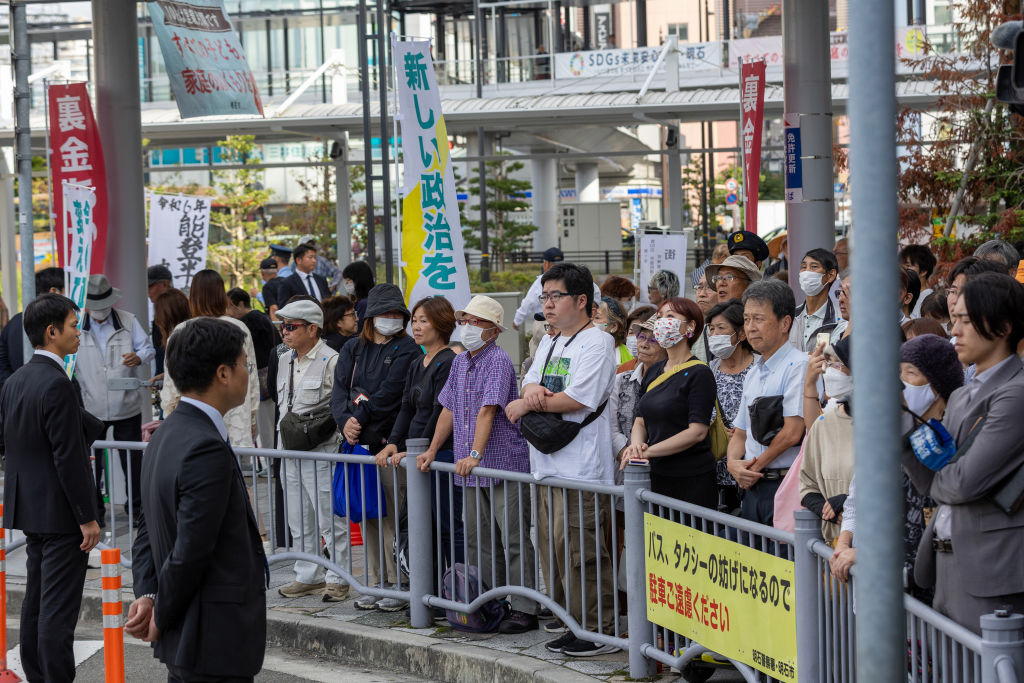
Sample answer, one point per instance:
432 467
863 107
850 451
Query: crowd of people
739 400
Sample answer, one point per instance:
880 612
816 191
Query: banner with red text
751 127
205 61
76 157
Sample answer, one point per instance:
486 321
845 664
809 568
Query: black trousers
178 675
127 429
759 502
53 599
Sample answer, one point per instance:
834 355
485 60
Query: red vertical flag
76 156
751 127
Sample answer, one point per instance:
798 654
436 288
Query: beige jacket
827 467
240 421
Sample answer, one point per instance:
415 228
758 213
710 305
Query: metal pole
641 23
807 529
364 89
675 179
881 626
485 260
21 56
119 117
478 24
807 98
383 46
635 479
420 536
343 217
1002 645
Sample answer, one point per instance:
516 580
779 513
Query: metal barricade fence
563 539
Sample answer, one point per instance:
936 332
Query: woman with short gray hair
664 285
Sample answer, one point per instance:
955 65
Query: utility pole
22 57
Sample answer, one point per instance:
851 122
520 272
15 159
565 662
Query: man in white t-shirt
573 377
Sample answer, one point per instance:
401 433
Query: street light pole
881 626
22 58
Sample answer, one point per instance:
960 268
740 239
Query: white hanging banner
432 247
79 203
179 232
660 252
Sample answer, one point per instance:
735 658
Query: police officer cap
278 250
746 240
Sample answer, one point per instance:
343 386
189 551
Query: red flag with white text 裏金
751 126
76 156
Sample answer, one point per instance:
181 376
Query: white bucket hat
483 307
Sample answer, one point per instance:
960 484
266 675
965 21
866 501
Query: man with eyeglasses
531 303
481 383
732 277
305 379
573 378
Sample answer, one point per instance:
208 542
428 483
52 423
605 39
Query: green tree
936 145
316 214
240 194
505 199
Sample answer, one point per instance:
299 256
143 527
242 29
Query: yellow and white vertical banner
432 247
79 202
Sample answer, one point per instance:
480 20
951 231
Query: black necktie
309 285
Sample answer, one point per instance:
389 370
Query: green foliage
241 242
505 198
502 281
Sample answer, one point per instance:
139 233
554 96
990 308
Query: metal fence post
419 523
1002 646
636 477
806 529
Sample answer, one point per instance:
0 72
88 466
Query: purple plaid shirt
487 379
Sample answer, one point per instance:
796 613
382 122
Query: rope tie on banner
5 673
113 627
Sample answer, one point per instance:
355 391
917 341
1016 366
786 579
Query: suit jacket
296 284
12 348
48 485
987 543
199 549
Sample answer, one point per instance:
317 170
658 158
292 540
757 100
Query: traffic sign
731 185
731 198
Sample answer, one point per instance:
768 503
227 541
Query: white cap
309 311
483 307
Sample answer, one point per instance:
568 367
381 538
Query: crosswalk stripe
83 650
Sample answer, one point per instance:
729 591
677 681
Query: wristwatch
476 455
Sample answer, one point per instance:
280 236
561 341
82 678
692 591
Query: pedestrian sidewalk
380 639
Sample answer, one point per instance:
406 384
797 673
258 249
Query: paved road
279 666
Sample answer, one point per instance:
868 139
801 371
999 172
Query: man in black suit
12 349
48 488
304 280
199 570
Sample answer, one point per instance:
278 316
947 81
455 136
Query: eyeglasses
728 278
647 338
553 297
350 313
702 286
291 327
475 322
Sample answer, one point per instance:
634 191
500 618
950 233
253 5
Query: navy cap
158 273
744 239
539 317
268 263
554 255
278 250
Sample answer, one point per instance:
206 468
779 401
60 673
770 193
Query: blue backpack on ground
462 584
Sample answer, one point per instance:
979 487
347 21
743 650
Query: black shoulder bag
550 432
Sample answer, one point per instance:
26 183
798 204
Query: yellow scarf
663 377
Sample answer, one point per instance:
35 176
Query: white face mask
100 313
811 283
350 287
472 337
919 399
632 345
721 345
838 384
388 326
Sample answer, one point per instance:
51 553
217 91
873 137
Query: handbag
550 432
363 489
306 431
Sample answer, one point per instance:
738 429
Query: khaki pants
509 505
379 534
585 546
